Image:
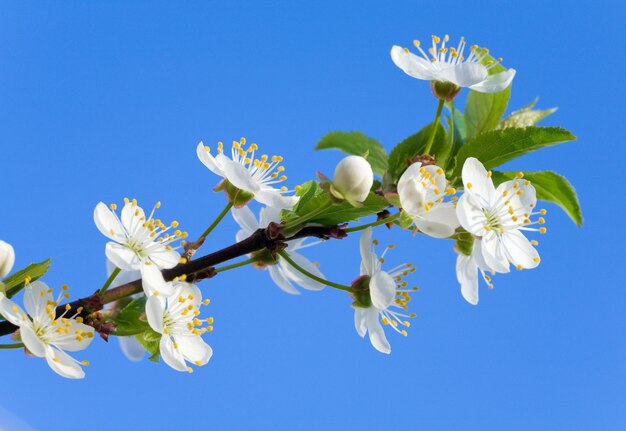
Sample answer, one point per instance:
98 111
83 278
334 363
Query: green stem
306 217
386 220
435 124
285 256
235 265
109 281
216 221
11 346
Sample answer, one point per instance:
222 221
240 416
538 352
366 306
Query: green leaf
526 116
131 318
358 144
344 211
307 191
16 281
150 342
415 145
483 111
499 146
550 187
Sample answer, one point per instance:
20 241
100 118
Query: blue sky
101 100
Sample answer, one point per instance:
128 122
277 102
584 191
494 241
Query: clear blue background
101 100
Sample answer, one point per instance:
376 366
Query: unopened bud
353 178
7 258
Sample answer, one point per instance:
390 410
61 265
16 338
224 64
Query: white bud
7 258
353 178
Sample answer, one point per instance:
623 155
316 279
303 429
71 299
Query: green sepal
464 242
405 220
361 292
239 198
132 317
16 281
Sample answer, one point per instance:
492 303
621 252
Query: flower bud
353 178
7 258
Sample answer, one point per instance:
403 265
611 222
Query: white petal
152 281
208 160
269 215
382 290
411 192
194 349
69 341
36 297
274 198
281 280
411 64
241 235
123 277
11 311
154 313
519 250
121 256
32 341
106 222
470 213
359 321
63 364
131 218
495 83
239 176
245 219
132 348
494 254
477 181
296 276
7 258
172 357
465 74
439 222
369 260
164 258
376 332
467 276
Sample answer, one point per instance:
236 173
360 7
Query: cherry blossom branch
270 238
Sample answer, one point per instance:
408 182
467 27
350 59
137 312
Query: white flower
497 217
242 170
448 65
43 334
139 243
387 293
7 258
421 190
283 274
175 318
353 178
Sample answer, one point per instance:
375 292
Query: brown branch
197 269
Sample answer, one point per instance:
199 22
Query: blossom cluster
430 191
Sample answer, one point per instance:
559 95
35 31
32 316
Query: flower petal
7 258
194 349
359 321
495 83
439 222
63 364
153 281
369 260
171 355
107 223
281 280
411 64
11 311
154 313
376 332
121 256
470 213
382 290
270 214
467 276
476 181
245 219
132 348
131 218
32 341
464 74
274 198
239 176
164 258
209 161
296 276
36 297
494 254
519 250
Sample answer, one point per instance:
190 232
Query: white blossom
7 258
353 179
